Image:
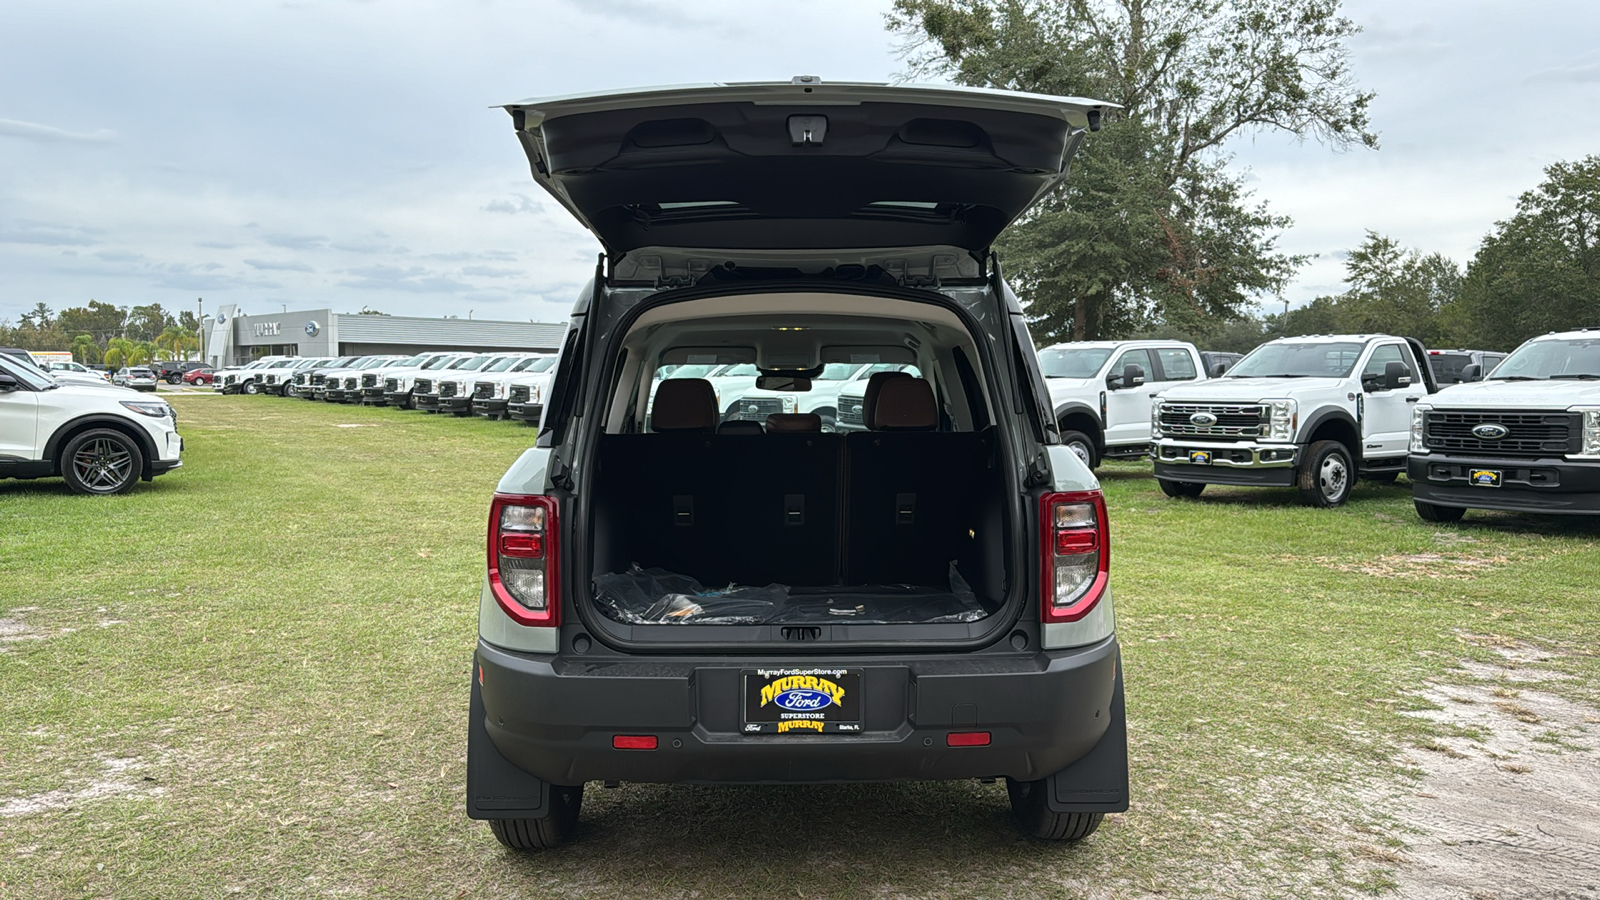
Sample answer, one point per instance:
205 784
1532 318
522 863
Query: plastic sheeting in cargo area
656 596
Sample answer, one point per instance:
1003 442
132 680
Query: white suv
102 441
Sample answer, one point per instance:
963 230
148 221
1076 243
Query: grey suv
673 598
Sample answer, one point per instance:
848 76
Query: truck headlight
1283 417
1591 433
1419 415
1155 421
534 393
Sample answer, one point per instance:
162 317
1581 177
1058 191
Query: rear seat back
912 503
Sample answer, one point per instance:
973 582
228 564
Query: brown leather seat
869 400
684 404
792 423
904 404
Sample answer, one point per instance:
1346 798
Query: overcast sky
344 154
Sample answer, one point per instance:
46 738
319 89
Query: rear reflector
633 742
967 739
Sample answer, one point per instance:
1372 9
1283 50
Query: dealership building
232 339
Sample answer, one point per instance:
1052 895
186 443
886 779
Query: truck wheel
1082 446
547 833
1327 475
1433 513
251 388
1034 815
101 461
1180 489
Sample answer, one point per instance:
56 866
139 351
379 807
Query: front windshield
691 371
1299 359
739 370
28 375
542 364
439 363
1073 362
837 371
407 361
1578 358
503 364
470 363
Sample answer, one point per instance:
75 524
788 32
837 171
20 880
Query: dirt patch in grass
1509 807
1452 566
118 777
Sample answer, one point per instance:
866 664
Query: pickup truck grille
351 383
449 388
1530 434
756 409
300 378
850 410
483 390
391 384
1232 422
517 394
319 378
269 379
368 381
423 386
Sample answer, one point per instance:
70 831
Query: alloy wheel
102 465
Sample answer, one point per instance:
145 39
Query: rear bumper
554 717
1526 485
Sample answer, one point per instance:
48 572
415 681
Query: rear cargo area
891 527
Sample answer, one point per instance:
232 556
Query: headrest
874 383
905 404
740 426
684 404
790 423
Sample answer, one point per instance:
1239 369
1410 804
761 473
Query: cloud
370 247
490 272
297 241
51 235
33 131
216 245
640 12
392 278
118 256
520 203
278 266
1584 73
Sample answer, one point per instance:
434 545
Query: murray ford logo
802 693
1490 431
1202 419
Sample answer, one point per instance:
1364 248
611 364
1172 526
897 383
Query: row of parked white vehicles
497 384
1317 412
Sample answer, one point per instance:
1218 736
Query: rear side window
1176 365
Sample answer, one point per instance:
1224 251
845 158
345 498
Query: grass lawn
249 678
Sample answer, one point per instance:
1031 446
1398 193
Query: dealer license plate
1484 477
802 701
1200 457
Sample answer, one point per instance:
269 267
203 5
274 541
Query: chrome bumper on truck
1242 462
538 720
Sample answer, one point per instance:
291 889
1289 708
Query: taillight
523 565
1076 549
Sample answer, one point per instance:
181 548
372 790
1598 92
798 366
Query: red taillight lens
967 739
523 563
633 741
1076 549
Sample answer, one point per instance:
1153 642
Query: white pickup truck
1102 392
1305 412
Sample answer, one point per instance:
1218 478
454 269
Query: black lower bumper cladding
1514 485
540 720
1278 476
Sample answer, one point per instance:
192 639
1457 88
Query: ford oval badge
1202 419
803 700
1491 431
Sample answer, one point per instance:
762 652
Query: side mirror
1395 375
1219 370
1472 372
8 382
1132 375
783 383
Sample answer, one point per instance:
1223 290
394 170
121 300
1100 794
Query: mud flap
1099 781
496 789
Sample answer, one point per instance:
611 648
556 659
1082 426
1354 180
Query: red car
198 376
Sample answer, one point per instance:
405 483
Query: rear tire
1327 476
1082 446
251 388
1178 490
547 833
1034 814
1434 513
